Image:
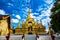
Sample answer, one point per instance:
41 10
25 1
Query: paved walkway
29 37
44 37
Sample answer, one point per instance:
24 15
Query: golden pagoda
30 26
17 29
29 21
41 28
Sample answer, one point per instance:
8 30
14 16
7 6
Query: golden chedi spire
40 25
18 25
29 14
41 22
23 24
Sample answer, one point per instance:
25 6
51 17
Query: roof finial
29 10
40 21
29 13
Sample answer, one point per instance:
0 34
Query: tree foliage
55 17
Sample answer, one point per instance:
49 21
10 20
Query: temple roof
40 25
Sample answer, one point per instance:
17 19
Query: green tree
55 17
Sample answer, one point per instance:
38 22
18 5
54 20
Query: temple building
30 26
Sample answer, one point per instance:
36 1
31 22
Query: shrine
30 26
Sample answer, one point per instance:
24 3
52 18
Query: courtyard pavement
30 37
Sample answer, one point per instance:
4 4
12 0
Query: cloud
10 4
45 22
28 1
45 13
20 6
14 20
13 14
2 12
36 13
29 9
24 15
48 1
24 20
37 19
40 8
17 16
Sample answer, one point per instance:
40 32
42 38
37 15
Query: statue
4 26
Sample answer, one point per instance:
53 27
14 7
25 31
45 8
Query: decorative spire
29 14
40 21
29 10
18 24
41 26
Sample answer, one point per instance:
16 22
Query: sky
18 9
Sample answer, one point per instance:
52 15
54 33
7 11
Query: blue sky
18 9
